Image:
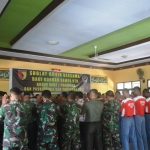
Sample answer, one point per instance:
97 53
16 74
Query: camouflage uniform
47 138
111 138
15 121
60 123
70 132
32 126
1 130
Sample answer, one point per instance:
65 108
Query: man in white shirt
79 98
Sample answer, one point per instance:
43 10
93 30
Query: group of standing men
75 124
135 120
29 127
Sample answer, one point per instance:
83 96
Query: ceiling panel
131 53
70 61
3 3
51 59
76 22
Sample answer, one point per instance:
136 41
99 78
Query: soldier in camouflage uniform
111 138
15 121
1 122
48 112
32 124
70 132
62 101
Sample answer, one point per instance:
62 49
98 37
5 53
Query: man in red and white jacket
127 122
139 118
146 94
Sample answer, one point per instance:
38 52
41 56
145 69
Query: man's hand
4 99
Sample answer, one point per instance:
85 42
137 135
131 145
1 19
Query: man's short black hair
88 94
110 93
15 90
72 95
145 91
118 92
36 95
137 88
31 92
80 94
126 90
26 93
1 93
64 94
46 94
99 94
94 91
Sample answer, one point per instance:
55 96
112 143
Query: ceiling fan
96 56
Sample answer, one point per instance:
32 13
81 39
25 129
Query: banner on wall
56 82
4 74
98 79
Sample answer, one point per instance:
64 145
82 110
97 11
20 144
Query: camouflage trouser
70 138
111 141
16 148
47 146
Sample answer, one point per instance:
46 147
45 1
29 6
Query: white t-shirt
81 102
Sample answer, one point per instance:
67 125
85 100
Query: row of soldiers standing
50 126
30 126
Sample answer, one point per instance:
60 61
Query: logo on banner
84 79
22 74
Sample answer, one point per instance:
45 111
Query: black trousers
1 135
93 135
32 135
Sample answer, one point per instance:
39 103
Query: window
129 85
148 84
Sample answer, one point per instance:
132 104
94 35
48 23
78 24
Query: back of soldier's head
71 95
80 95
64 95
31 94
110 94
15 93
1 95
26 96
93 94
99 94
46 94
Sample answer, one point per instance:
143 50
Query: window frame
147 84
120 90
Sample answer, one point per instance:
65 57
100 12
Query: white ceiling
2 5
134 52
75 22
